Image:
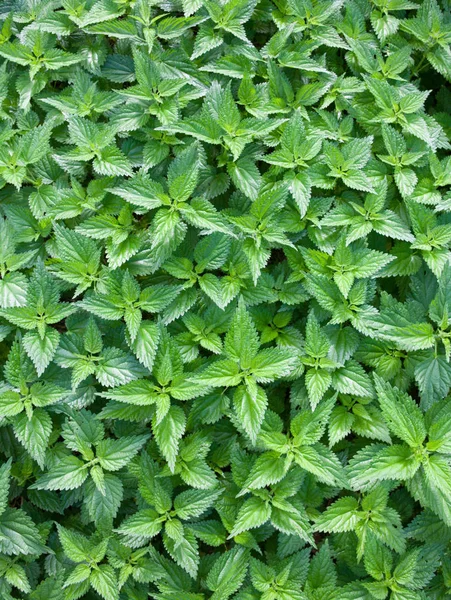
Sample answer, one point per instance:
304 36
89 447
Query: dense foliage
225 299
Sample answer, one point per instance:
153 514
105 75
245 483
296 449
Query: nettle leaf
19 535
41 350
342 515
253 513
168 433
104 581
183 174
69 474
145 343
241 343
5 470
250 405
34 433
114 454
225 315
103 507
228 573
401 413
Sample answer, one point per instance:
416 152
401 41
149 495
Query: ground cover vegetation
225 299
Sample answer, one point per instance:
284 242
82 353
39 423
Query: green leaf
70 473
103 580
253 513
352 379
193 503
271 363
342 515
41 350
111 161
250 408
185 553
168 433
269 468
4 487
246 176
323 463
183 174
79 574
143 524
228 573
219 373
287 519
34 433
104 507
241 342
76 546
401 413
13 290
16 576
18 534
317 382
114 454
49 589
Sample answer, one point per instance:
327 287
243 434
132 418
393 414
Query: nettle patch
225 299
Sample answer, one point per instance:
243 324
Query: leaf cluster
225 299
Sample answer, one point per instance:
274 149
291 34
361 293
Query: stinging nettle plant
225 299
